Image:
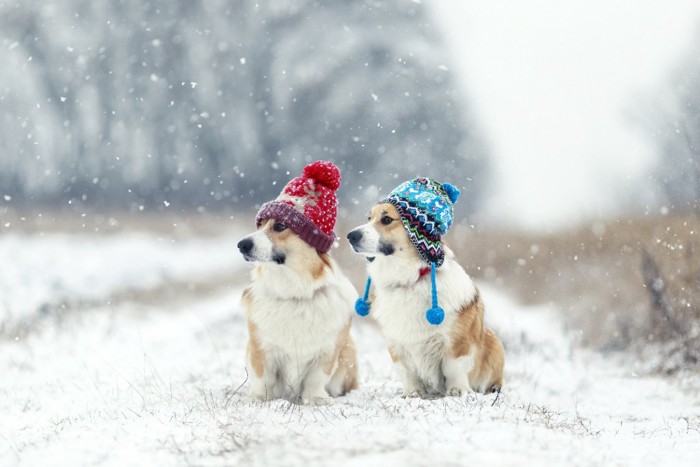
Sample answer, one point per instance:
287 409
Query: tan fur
468 328
331 364
256 354
488 366
322 266
247 299
312 264
394 356
470 336
345 360
394 231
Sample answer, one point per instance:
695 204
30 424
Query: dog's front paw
259 396
414 393
316 400
455 391
318 397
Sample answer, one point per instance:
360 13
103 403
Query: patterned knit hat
426 210
308 205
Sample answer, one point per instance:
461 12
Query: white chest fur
298 320
401 301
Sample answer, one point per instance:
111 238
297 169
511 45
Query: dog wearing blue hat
427 306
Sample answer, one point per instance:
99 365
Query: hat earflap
362 304
434 315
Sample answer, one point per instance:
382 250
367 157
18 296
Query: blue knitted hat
426 210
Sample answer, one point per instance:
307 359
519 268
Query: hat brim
298 223
428 245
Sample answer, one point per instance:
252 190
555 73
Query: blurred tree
670 265
677 133
192 103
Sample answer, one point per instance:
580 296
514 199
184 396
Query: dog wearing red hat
299 304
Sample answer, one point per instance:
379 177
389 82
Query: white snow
163 384
41 271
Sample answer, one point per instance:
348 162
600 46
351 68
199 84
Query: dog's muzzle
245 246
355 237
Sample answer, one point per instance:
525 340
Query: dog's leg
344 378
488 366
263 377
314 387
263 372
412 385
456 372
428 362
406 369
343 367
263 387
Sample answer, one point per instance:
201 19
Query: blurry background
212 105
573 130
545 115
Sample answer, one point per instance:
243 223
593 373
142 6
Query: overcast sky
555 85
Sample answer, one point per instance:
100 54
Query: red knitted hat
308 205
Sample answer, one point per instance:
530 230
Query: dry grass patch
594 275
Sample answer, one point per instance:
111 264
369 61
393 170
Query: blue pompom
435 315
452 192
362 307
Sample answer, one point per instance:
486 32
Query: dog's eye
386 220
279 227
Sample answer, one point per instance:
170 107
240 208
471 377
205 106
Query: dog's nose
354 236
245 245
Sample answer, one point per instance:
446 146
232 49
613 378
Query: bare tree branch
656 286
695 157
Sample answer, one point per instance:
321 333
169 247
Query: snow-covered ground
43 271
163 383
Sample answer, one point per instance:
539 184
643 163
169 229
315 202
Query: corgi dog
298 302
455 353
